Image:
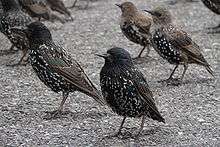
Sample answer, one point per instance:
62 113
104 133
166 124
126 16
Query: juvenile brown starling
125 89
14 17
214 6
55 68
135 25
58 5
173 44
39 9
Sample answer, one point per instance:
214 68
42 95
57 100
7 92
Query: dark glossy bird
214 6
135 25
125 89
39 9
173 44
58 5
14 17
55 68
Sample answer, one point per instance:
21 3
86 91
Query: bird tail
156 116
208 68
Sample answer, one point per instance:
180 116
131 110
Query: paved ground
191 111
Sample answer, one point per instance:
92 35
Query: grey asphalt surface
191 111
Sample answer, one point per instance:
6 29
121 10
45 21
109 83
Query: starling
55 68
12 17
173 44
125 89
39 9
135 25
58 5
214 6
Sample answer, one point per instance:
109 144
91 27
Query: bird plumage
173 44
124 87
213 5
13 17
55 68
135 25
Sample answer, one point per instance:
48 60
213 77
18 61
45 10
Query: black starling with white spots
173 44
135 25
214 6
125 89
55 68
39 9
13 17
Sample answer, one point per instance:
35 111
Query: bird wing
143 23
70 70
58 5
145 93
36 6
180 40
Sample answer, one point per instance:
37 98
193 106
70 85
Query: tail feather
208 68
156 116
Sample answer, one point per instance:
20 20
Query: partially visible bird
58 5
125 89
173 44
135 25
39 9
13 16
214 6
55 68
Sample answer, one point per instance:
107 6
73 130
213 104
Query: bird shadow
74 115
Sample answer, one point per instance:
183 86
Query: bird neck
10 5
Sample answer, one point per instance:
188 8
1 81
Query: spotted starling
58 5
39 9
14 17
135 25
173 44
214 6
55 68
125 89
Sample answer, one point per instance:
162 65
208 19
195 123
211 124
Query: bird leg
184 71
21 61
58 112
74 4
139 55
141 128
119 131
170 79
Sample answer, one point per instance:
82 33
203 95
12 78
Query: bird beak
118 5
103 55
148 11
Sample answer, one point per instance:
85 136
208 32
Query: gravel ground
191 110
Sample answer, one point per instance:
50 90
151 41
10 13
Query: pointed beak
118 5
148 11
103 55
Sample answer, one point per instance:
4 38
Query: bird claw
53 114
18 64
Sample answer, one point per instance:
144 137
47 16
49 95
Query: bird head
36 32
117 56
127 8
160 15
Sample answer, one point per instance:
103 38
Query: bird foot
172 81
53 114
7 52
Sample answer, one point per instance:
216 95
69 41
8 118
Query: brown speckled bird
39 9
173 44
135 25
58 5
214 6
